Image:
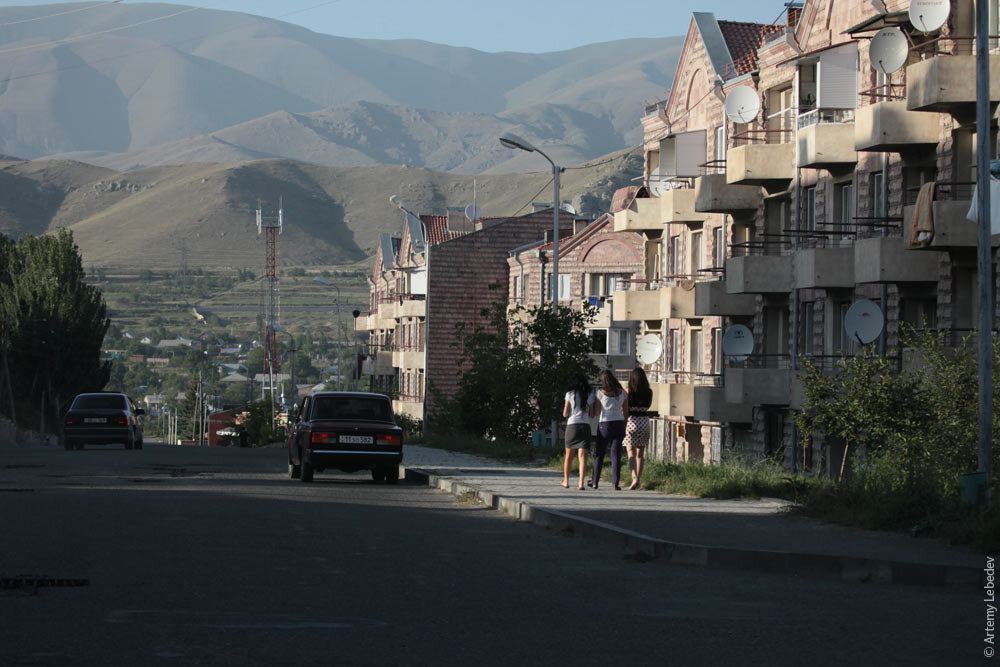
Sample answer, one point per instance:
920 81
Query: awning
879 21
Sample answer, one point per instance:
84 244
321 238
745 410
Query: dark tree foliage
54 324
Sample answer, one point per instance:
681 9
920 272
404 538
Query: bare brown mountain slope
159 216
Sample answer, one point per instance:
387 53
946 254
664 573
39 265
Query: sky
532 26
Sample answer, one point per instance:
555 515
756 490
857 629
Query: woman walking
640 397
577 408
612 404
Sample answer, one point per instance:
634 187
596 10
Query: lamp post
514 141
357 368
340 329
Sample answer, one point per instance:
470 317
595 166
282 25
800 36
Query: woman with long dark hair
576 409
640 397
612 404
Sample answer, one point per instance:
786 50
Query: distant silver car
101 419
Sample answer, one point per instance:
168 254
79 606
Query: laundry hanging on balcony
922 224
973 213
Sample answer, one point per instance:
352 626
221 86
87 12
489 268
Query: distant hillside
156 216
223 86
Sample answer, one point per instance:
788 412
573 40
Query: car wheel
78 445
307 472
130 441
294 471
392 474
378 474
68 444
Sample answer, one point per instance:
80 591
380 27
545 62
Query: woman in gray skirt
577 409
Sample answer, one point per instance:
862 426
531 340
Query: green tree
55 322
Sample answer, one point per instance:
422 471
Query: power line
610 159
526 205
69 11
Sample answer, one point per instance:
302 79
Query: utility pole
984 255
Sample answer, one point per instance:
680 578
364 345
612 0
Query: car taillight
323 438
389 439
121 420
70 421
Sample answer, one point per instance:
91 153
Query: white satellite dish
888 50
929 15
648 349
737 342
472 213
864 321
657 184
742 104
569 208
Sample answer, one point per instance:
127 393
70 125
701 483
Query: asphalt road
185 556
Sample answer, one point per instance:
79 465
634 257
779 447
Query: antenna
737 342
889 50
864 321
742 104
929 15
648 349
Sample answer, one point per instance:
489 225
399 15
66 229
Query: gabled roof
743 40
438 231
714 41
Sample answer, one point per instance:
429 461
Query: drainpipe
883 288
797 210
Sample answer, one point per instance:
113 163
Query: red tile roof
743 40
437 229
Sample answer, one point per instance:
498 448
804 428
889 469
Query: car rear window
99 403
352 408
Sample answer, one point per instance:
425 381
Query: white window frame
696 358
607 339
720 246
697 255
675 349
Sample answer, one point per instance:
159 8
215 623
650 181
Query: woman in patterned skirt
640 397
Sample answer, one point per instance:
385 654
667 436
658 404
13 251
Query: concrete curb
644 547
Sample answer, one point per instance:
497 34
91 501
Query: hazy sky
498 25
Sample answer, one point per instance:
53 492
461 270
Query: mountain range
128 86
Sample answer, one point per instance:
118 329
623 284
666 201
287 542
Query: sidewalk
739 534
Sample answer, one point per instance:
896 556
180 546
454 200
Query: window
843 205
808 331
696 351
564 282
674 267
517 287
598 341
675 349
720 246
596 286
778 113
624 338
841 343
696 253
717 351
810 209
720 142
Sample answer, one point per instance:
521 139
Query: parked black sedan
101 419
345 431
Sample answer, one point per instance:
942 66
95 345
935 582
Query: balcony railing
780 361
411 398
946 191
825 116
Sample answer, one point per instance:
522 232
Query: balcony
643 214
384 362
754 383
885 259
951 228
768 165
677 400
677 206
759 274
710 405
388 310
411 357
413 308
712 298
714 195
947 84
603 317
889 126
826 139
658 304
824 267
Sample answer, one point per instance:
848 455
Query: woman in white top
612 404
577 408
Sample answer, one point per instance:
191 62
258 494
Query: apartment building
441 271
803 209
593 263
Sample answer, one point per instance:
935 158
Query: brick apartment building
593 262
780 223
441 271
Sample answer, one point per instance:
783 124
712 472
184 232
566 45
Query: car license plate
93 420
356 439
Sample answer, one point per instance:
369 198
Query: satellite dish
888 50
929 15
648 349
569 208
472 213
864 321
742 104
737 342
656 183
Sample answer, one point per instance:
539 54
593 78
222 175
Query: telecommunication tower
270 226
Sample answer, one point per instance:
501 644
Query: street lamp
514 141
357 368
340 330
